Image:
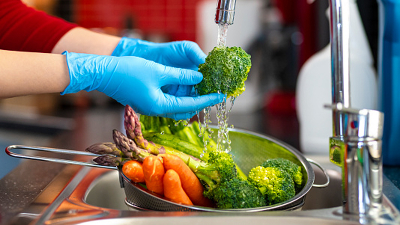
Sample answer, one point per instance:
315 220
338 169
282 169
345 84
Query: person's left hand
179 54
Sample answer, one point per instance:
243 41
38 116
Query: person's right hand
179 54
138 82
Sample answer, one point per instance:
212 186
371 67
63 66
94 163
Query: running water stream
222 33
223 141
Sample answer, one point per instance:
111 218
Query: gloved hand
138 82
179 54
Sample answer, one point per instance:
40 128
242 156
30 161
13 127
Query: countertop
392 189
393 174
26 181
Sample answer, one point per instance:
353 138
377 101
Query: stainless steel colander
249 150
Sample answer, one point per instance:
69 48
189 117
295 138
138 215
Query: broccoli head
236 194
290 167
224 71
274 183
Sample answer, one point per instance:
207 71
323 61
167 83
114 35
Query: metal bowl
249 150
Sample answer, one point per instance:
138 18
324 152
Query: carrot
173 190
133 170
190 183
153 171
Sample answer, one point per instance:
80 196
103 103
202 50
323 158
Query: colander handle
57 160
323 170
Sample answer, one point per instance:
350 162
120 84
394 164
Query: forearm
82 40
25 73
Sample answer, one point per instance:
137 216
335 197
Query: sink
107 186
328 197
94 196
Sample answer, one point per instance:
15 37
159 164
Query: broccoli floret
229 189
274 183
224 71
290 167
224 164
236 194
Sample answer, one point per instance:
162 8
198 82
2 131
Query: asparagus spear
108 148
128 146
105 148
110 154
134 131
110 160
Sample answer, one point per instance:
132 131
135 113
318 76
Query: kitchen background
280 35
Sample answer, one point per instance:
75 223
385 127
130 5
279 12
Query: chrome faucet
356 133
340 59
225 12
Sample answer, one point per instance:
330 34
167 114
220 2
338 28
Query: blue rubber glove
179 54
137 82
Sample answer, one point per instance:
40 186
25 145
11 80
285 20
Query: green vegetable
237 193
216 167
182 137
174 142
232 190
225 70
290 167
274 183
180 129
223 181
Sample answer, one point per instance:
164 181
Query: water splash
223 141
206 127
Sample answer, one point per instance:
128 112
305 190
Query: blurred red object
173 18
287 8
280 103
303 14
280 118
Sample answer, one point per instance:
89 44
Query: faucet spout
225 12
340 60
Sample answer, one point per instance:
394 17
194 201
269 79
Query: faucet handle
359 153
360 123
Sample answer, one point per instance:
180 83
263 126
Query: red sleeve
25 29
